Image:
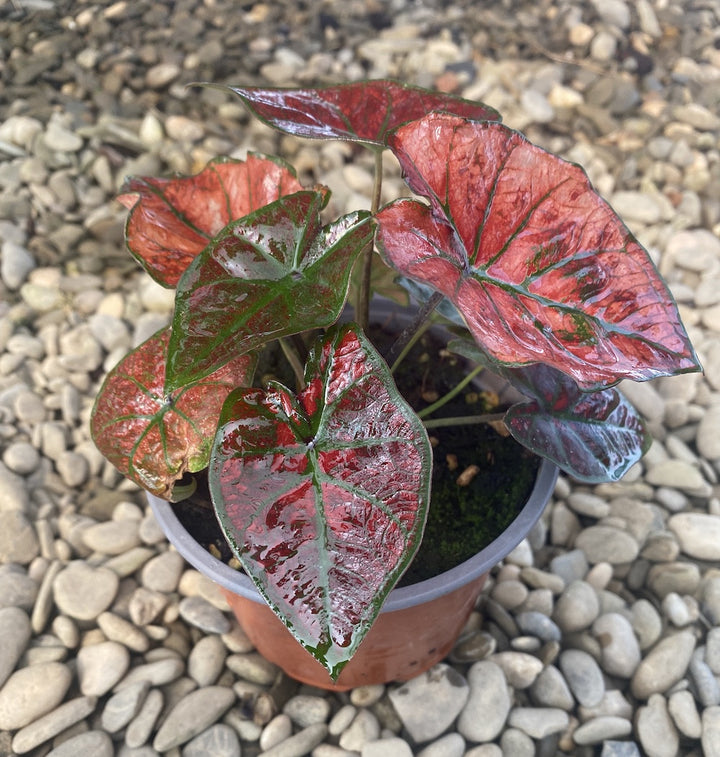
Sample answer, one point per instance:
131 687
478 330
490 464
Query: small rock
101 666
711 732
32 692
517 743
83 592
683 711
162 74
488 703
607 544
520 668
142 725
253 667
600 729
300 744
15 634
18 540
539 722
123 631
50 725
219 741
201 614
655 728
539 625
388 747
305 710
450 745
665 665
707 438
122 707
583 675
698 534
15 264
280 728
577 607
429 703
95 743
192 715
550 689
112 537
162 573
206 660
363 730
620 649
157 673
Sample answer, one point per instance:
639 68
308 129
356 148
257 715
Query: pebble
101 666
488 704
18 539
95 743
620 648
450 745
711 732
32 692
520 668
682 709
299 744
389 747
550 689
50 725
191 715
429 703
577 607
201 614
601 729
122 707
219 740
583 676
698 534
607 544
539 722
655 729
15 634
142 724
206 660
117 628
363 730
252 667
664 665
305 709
83 592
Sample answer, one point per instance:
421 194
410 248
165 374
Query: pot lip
398 599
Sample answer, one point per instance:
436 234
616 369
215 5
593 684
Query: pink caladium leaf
273 273
154 438
172 220
323 496
360 112
537 263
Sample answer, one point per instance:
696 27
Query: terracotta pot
418 624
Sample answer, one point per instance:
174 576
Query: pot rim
398 599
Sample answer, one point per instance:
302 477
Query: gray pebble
219 740
16 262
706 684
157 673
550 689
698 534
711 732
21 458
664 665
520 668
539 625
112 537
600 729
192 715
392 746
450 745
116 628
577 607
15 634
683 711
32 692
488 704
280 728
300 744
142 725
620 749
95 743
583 675
620 649
18 540
646 622
122 707
539 722
517 743
305 709
570 566
201 614
429 703
607 544
162 572
655 729
13 490
17 589
206 660
145 606
253 667
50 725
83 592
101 666
364 729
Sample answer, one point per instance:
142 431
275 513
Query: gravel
599 635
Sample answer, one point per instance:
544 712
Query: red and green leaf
538 264
172 220
273 273
324 496
150 437
360 112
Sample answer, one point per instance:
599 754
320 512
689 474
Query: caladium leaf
593 436
172 220
154 438
361 111
273 273
324 496
539 265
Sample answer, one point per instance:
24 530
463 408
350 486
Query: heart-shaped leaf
324 496
361 111
593 436
153 438
172 220
273 273
539 265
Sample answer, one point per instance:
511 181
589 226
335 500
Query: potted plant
322 490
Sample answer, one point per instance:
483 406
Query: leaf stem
411 333
463 420
363 301
295 362
430 409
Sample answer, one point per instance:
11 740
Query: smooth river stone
488 705
664 665
101 666
50 725
15 634
32 692
83 592
698 534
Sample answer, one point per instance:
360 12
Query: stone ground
600 635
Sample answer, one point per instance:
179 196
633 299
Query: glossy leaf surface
538 264
593 436
172 220
323 496
152 438
274 273
362 111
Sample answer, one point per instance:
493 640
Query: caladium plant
322 489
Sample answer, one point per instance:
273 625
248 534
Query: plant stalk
430 409
410 334
295 362
362 309
463 420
